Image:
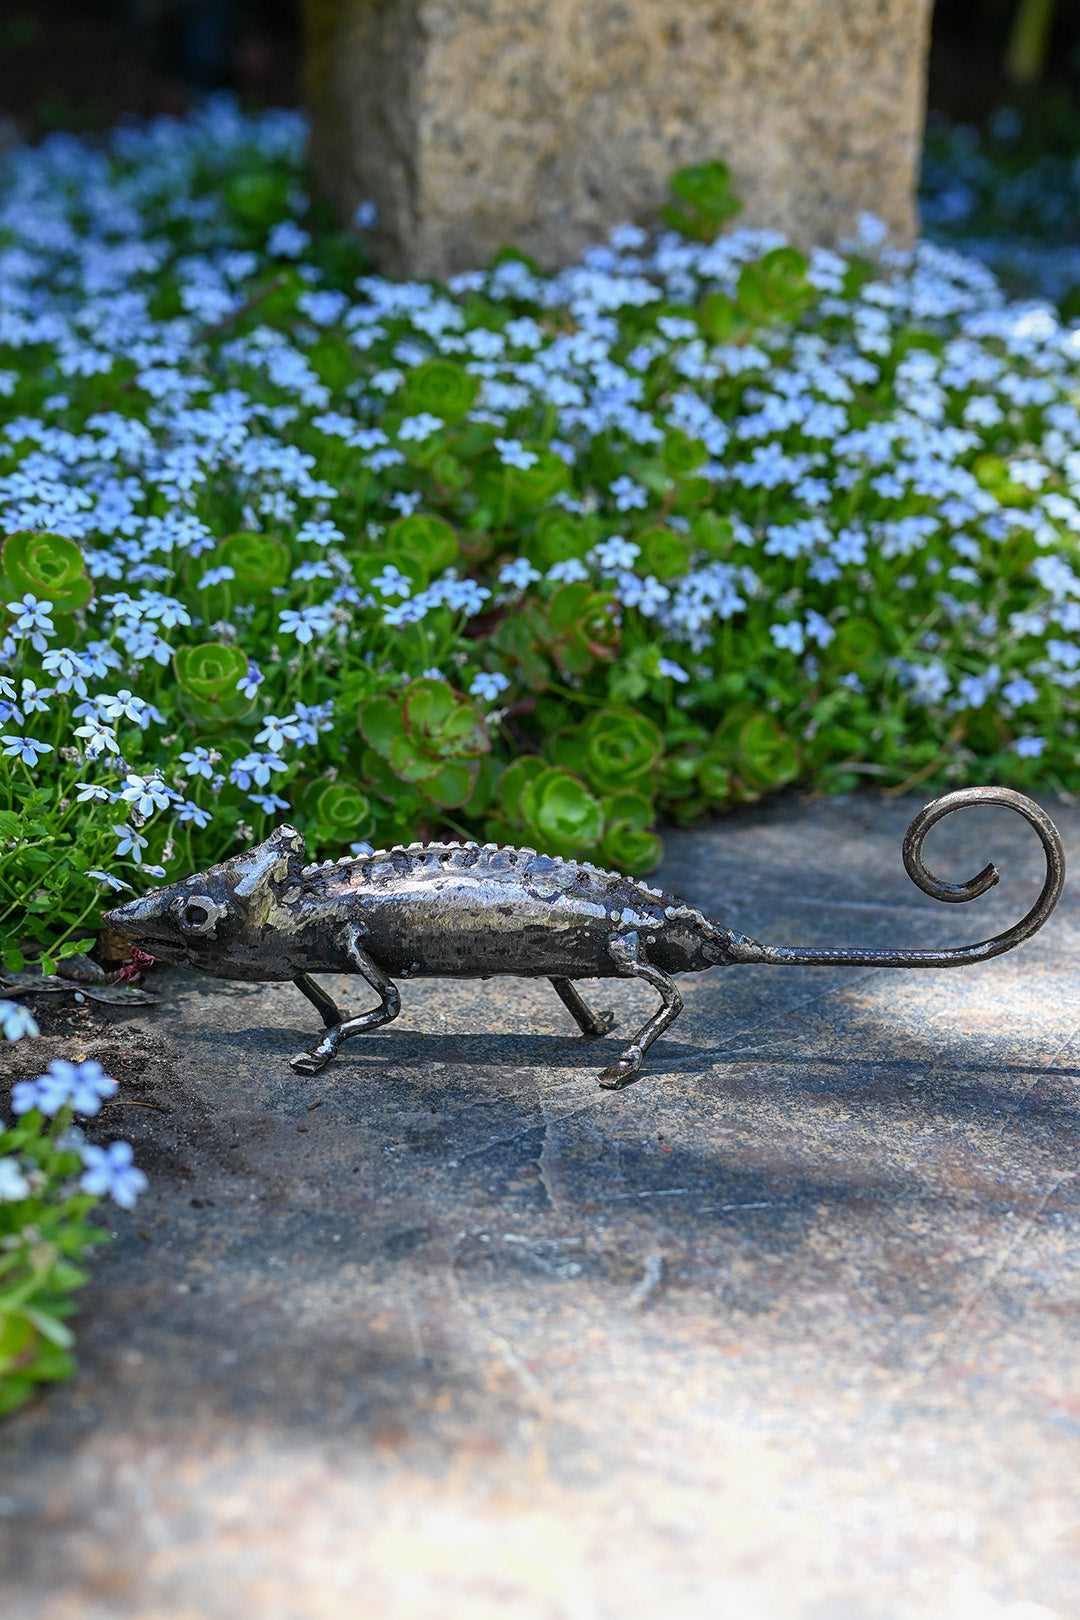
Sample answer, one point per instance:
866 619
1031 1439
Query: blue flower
306 623
13 1183
629 495
512 453
420 427
287 240
32 619
130 843
198 761
788 637
248 684
16 1021
28 749
673 671
487 686
147 793
82 1085
519 573
111 1172
191 812
110 882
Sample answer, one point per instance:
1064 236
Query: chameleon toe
307 1063
618 1075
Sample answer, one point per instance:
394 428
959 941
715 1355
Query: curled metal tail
748 950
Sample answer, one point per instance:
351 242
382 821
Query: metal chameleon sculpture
471 911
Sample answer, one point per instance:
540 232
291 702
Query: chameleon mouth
141 923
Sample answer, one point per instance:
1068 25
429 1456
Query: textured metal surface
789 1333
472 911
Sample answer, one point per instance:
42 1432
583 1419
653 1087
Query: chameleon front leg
341 1029
592 1025
624 950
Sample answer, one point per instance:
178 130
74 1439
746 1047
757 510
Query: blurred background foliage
81 64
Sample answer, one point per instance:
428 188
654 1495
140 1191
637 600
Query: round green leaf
339 810
442 722
48 566
561 813
441 388
515 779
411 763
664 553
714 778
856 646
631 849
259 561
380 722
429 540
519 488
210 671
209 677
454 784
622 746
557 537
682 453
765 756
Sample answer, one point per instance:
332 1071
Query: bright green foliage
430 737
43 1236
207 677
706 201
48 566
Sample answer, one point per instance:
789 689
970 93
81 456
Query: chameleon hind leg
592 1025
338 1027
624 950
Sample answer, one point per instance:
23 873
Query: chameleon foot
622 1072
315 1061
603 1023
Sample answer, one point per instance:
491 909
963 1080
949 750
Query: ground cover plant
51 1182
1009 194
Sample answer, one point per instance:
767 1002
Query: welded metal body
472 911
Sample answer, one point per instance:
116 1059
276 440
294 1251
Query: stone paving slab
786 1331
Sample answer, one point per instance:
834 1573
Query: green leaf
410 763
338 809
561 813
429 540
682 453
515 779
664 553
49 1328
261 562
440 388
857 645
557 537
623 746
705 191
442 721
380 722
453 786
48 566
209 676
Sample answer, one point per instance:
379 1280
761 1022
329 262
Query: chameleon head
227 920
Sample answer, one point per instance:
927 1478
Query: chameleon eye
199 915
